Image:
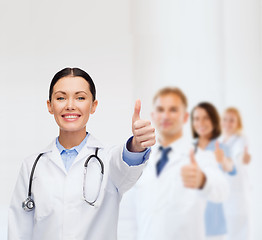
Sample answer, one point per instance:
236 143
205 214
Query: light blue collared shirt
215 220
69 155
131 158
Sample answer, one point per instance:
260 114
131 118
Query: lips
71 117
201 130
166 124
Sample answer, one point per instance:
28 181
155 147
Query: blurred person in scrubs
78 182
237 208
205 123
169 200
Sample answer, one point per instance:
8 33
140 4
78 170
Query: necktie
163 160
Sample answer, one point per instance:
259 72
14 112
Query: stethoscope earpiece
28 205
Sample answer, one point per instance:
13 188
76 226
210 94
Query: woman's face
202 123
230 123
71 103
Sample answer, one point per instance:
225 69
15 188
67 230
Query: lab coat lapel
53 154
91 144
180 152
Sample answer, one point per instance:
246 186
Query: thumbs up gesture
246 156
192 176
226 163
143 132
219 153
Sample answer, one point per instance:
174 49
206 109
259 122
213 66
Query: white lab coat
60 212
161 207
237 207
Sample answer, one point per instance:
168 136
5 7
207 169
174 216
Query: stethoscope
29 204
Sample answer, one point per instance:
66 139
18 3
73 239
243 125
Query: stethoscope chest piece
28 205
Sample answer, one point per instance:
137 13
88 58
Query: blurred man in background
168 202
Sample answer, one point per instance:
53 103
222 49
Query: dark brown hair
74 72
213 115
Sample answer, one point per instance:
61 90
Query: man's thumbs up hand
143 132
192 158
192 176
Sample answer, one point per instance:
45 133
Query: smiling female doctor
72 190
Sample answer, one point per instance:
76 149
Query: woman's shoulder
241 139
31 158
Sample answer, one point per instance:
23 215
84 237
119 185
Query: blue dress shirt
131 158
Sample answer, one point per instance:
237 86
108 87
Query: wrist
134 146
203 181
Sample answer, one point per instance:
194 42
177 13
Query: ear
93 107
49 107
152 115
186 116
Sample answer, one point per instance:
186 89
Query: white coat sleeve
20 222
237 152
122 175
216 188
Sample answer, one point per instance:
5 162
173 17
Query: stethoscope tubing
29 197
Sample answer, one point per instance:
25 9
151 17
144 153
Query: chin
203 134
169 132
71 129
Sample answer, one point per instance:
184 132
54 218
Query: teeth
71 116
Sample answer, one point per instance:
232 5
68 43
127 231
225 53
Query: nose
70 104
201 122
165 114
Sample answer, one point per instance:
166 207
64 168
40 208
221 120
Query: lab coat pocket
41 190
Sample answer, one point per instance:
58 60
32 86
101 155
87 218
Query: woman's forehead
71 83
199 110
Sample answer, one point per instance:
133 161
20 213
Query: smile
71 116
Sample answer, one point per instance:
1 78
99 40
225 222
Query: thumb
192 157
217 145
246 150
136 115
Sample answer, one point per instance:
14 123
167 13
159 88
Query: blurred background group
191 191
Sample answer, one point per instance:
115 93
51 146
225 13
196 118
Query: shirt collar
211 145
179 146
77 148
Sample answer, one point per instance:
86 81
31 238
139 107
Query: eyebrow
81 92
75 93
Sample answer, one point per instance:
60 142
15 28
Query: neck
71 139
227 136
166 140
203 142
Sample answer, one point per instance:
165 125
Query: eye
159 109
81 98
60 98
174 109
195 118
